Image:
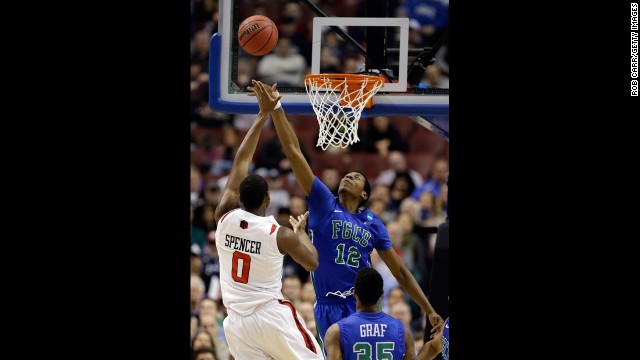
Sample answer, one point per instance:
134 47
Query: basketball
257 35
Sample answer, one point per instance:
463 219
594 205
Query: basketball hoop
338 101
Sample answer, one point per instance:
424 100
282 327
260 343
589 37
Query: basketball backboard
231 69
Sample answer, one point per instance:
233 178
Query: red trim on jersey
223 216
305 335
273 228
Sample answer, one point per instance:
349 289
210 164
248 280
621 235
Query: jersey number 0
246 265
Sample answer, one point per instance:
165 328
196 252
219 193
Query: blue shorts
329 311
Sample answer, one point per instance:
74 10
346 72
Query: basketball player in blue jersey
343 231
368 333
372 334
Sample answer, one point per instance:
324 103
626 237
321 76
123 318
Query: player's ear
364 195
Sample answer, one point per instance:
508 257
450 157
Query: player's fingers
273 87
306 214
253 88
256 86
265 88
279 97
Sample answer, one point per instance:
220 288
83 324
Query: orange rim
351 80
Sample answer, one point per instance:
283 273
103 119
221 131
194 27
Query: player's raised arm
231 194
409 284
291 145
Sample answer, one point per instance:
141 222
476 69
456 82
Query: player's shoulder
230 213
371 219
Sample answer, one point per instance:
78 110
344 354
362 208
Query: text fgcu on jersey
344 242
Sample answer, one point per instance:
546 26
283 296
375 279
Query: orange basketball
257 35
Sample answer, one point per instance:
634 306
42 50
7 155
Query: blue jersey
344 242
445 341
371 336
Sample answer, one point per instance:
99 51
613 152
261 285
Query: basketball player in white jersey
260 323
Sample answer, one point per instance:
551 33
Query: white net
338 100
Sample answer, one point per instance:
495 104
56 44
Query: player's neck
349 203
367 309
261 211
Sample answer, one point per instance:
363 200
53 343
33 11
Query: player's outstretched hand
267 97
435 320
300 223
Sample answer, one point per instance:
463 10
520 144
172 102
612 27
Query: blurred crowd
406 164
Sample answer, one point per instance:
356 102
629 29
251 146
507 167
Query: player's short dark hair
367 189
368 286
253 189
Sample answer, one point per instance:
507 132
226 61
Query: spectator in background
196 263
211 194
290 27
331 177
194 327
291 288
434 77
402 312
398 164
196 183
209 324
432 16
197 293
199 81
438 178
396 295
389 281
283 216
284 66
222 154
202 339
200 50
271 156
353 63
279 196
308 294
208 306
305 308
298 206
401 188
203 115
381 137
203 223
205 353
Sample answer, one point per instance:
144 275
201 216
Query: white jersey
250 262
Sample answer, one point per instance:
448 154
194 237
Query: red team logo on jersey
273 228
244 224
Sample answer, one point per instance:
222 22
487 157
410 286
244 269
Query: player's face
353 183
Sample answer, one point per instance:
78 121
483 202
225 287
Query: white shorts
274 331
